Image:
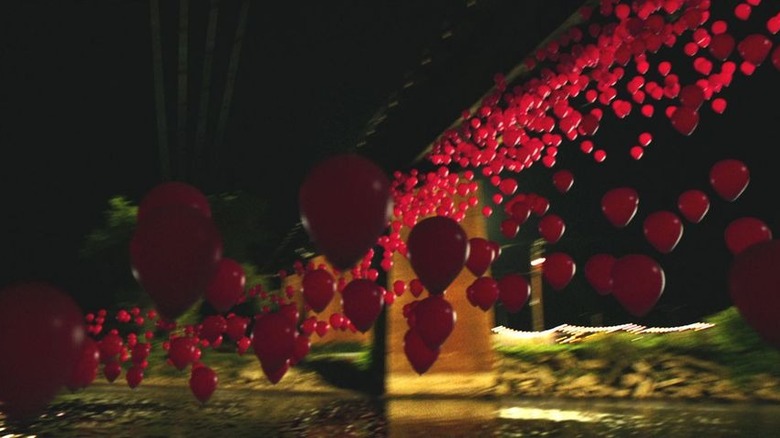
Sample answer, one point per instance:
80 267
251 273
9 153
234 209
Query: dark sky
78 118
77 100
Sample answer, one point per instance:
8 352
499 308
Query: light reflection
557 415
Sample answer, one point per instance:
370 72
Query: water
117 411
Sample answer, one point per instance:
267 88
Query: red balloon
691 96
182 351
693 205
345 205
721 46
274 375
362 301
318 289
637 283
227 286
273 340
558 270
481 255
754 280
434 320
173 193
110 347
302 348
685 120
86 368
236 327
509 227
563 180
744 232
663 229
754 48
551 228
41 338
598 272
175 253
483 292
729 178
212 327
513 292
540 205
619 205
112 370
134 376
418 353
438 249
520 211
203 383
496 249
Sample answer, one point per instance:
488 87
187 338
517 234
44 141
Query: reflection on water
172 412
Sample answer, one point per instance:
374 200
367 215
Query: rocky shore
665 376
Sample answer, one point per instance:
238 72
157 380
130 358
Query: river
150 411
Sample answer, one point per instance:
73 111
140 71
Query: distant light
537 261
518 413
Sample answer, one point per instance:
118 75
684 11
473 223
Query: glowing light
557 415
537 261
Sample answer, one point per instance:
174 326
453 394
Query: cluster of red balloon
277 342
42 342
438 250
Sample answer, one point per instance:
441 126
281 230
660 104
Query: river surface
117 411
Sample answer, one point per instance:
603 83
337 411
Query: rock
631 380
594 364
675 381
642 367
644 389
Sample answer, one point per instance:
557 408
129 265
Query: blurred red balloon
212 327
274 375
744 232
273 340
203 383
509 227
637 283
434 320
513 292
41 338
663 229
598 272
173 193
481 255
418 353
182 351
721 46
558 270
227 286
362 301
483 292
754 48
236 327
302 348
685 120
86 368
693 205
438 249
563 180
520 211
551 228
619 205
345 205
134 376
754 280
729 178
175 253
318 289
112 370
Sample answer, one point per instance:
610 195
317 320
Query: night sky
78 121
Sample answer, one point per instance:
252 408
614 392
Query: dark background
77 125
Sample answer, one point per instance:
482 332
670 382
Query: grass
730 343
